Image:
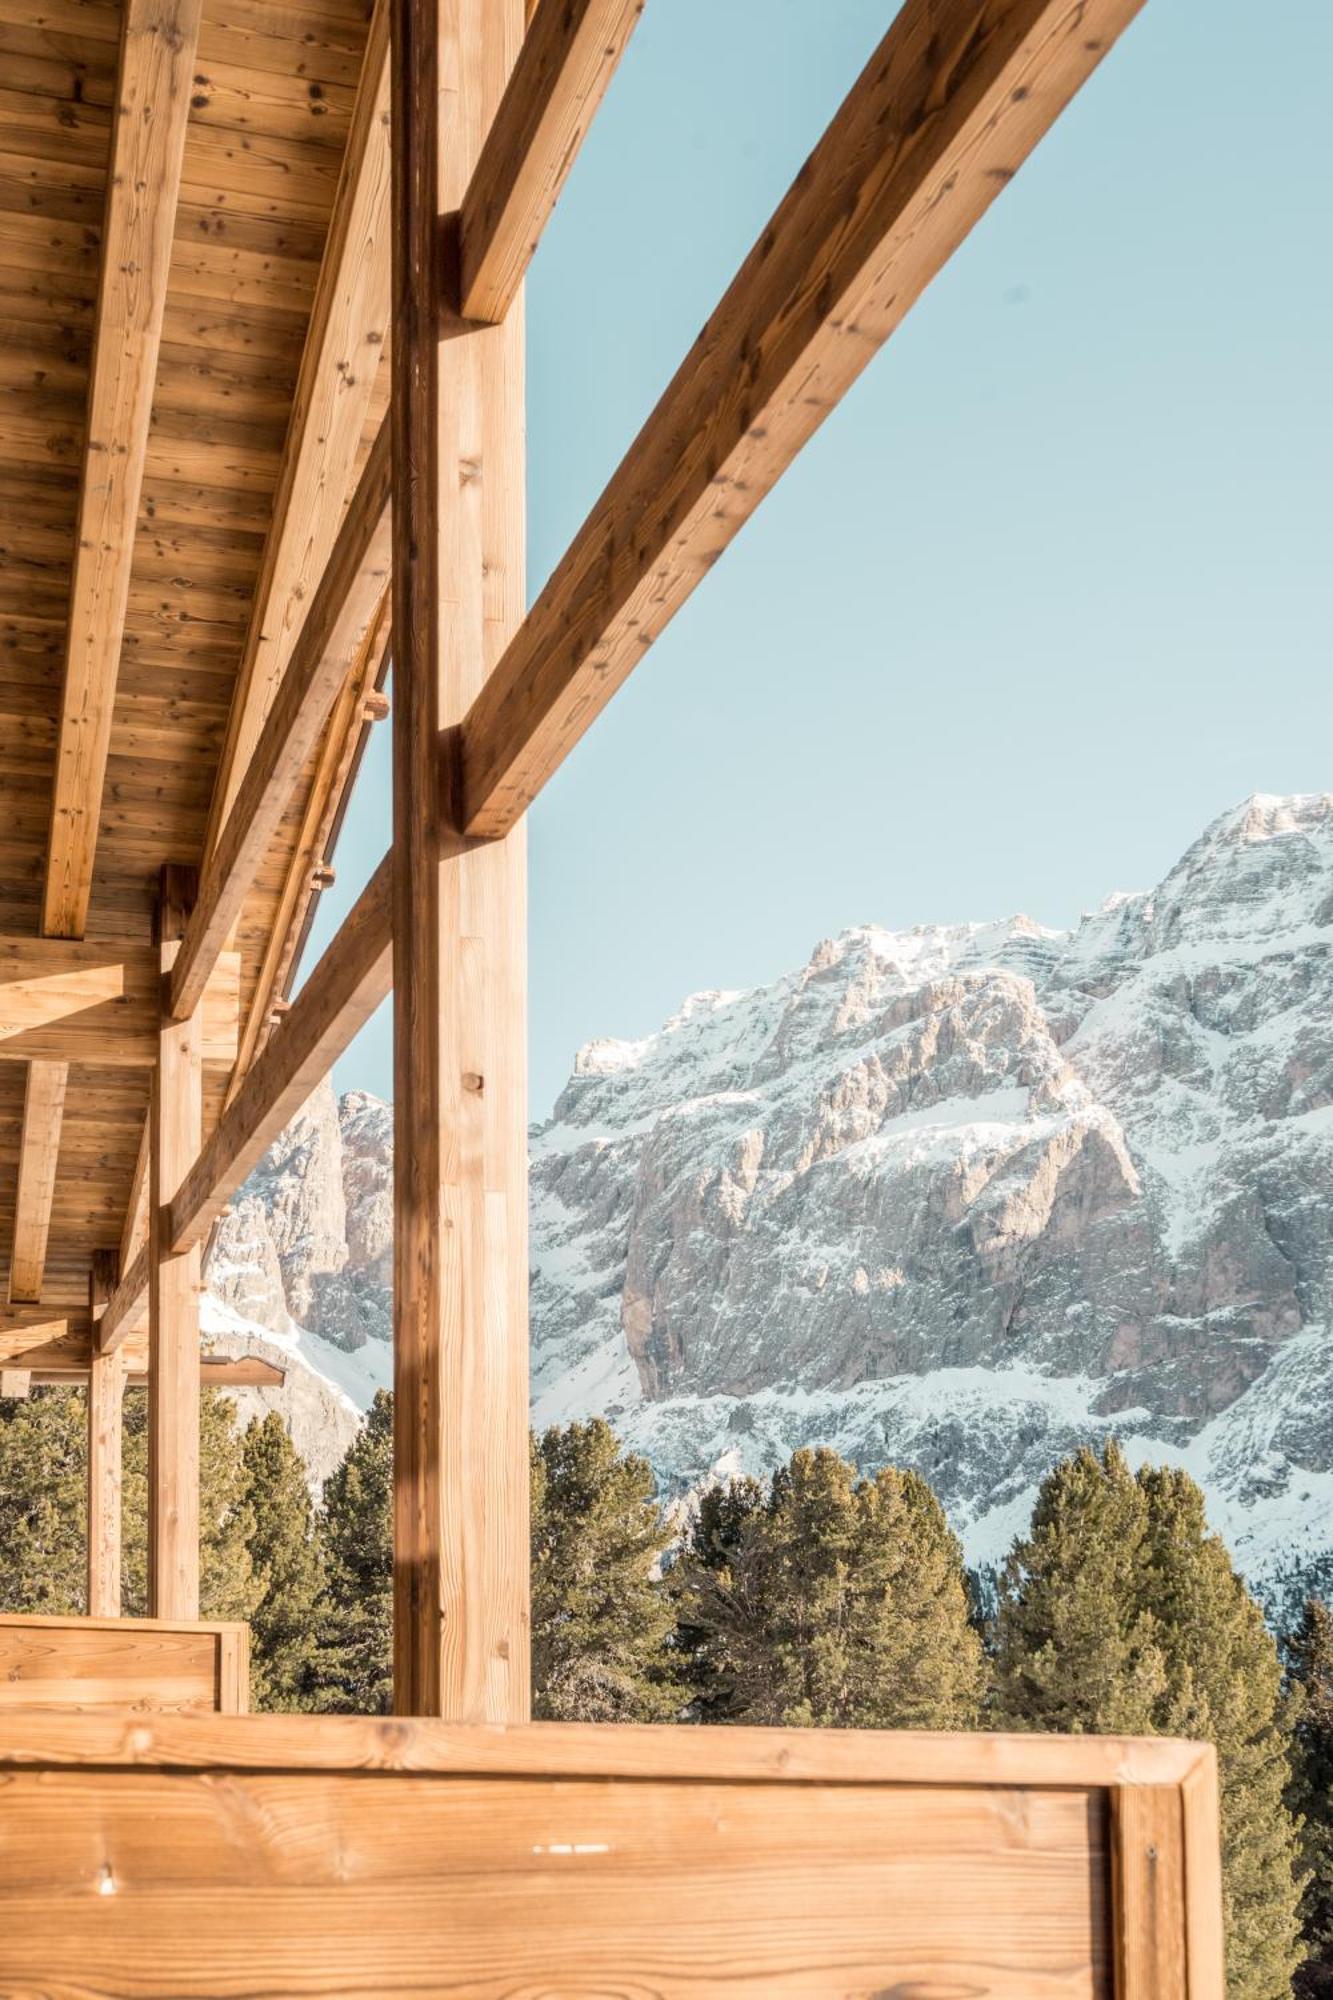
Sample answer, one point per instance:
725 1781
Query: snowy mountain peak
964 1194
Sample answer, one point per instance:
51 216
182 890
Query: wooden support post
461 1618
173 1290
106 1392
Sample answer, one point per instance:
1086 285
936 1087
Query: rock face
963 1197
300 1271
957 1197
309 1241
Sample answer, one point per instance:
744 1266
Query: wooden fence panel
148 1665
239 1858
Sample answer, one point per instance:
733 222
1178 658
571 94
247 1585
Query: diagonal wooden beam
359 706
127 1308
348 596
157 57
567 60
43 1113
950 105
344 989
348 329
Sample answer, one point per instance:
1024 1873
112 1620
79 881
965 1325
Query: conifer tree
353 1669
835 1600
1311 1651
1183 1650
1076 1647
285 1620
226 1576
602 1623
703 1584
43 1502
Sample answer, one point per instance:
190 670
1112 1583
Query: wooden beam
345 604
134 1235
1204 1912
106 1395
23 1327
152 106
461 1622
344 989
1148 1892
15 1384
348 329
43 1114
948 108
127 1308
567 60
359 704
173 1293
66 1000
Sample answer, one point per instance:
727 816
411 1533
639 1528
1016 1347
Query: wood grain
39 1150
348 596
1204 1923
174 1284
127 1308
106 1395
139 1666
487 1888
152 103
558 1750
949 106
350 981
566 63
358 705
1148 1878
461 1620
84 1001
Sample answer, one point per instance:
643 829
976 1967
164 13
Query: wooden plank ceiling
172 614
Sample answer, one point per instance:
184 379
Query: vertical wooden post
176 1136
461 1617
106 1393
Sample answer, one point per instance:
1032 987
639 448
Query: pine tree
602 1622
226 1576
352 1672
1311 1651
835 1600
703 1585
1120 1611
1076 1648
284 1623
43 1502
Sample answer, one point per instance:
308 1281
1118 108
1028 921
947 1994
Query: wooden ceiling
251 341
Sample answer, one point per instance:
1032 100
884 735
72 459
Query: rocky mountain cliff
958 1197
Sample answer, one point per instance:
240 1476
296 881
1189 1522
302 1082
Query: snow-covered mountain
956 1197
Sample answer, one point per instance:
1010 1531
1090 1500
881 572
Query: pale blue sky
1049 591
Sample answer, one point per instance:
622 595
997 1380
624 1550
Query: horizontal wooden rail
946 111
351 979
345 604
568 58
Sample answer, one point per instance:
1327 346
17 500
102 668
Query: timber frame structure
261 433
